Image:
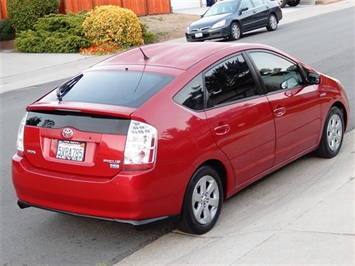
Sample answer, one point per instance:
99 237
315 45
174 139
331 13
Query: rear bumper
137 198
140 223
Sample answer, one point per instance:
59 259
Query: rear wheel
293 2
282 3
202 202
333 133
236 31
272 23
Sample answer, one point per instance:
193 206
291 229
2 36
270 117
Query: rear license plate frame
71 150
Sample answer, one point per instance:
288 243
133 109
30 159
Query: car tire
293 2
282 3
236 31
272 23
202 202
332 135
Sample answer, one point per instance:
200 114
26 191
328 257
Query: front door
294 104
247 17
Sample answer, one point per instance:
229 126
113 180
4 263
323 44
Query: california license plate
71 150
198 35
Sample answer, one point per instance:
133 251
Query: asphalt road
37 237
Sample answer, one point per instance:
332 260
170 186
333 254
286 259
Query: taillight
20 136
141 146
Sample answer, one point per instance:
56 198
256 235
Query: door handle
279 111
221 129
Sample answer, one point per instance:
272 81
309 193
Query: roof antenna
145 56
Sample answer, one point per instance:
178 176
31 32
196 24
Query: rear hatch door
77 142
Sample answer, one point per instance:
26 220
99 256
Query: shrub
55 33
23 14
7 32
148 37
113 25
102 48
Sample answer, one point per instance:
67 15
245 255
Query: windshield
222 8
123 88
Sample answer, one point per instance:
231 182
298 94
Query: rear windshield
122 88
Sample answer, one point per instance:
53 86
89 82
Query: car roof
172 55
224 1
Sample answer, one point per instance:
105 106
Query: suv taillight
141 146
20 136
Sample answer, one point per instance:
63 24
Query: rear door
261 13
240 118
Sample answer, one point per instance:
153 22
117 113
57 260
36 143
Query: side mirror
313 78
289 83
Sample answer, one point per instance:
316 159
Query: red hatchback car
171 130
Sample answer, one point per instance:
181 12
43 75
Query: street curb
326 2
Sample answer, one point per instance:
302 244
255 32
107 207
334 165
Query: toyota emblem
67 133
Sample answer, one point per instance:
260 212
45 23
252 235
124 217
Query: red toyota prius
171 130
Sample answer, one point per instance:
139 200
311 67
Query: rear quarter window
192 95
122 88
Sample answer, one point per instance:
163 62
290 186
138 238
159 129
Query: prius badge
67 133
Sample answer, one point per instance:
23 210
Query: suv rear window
122 88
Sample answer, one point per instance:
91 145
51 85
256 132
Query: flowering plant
111 28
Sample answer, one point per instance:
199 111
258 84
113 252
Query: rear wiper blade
67 86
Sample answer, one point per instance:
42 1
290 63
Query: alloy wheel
235 31
205 200
334 132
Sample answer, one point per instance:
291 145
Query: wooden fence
140 7
3 9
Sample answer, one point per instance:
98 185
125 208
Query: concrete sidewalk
19 70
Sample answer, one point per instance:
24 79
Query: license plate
198 35
71 150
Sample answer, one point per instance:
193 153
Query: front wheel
333 133
272 23
202 202
236 31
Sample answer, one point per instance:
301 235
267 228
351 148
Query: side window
191 96
258 3
229 81
246 3
276 72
